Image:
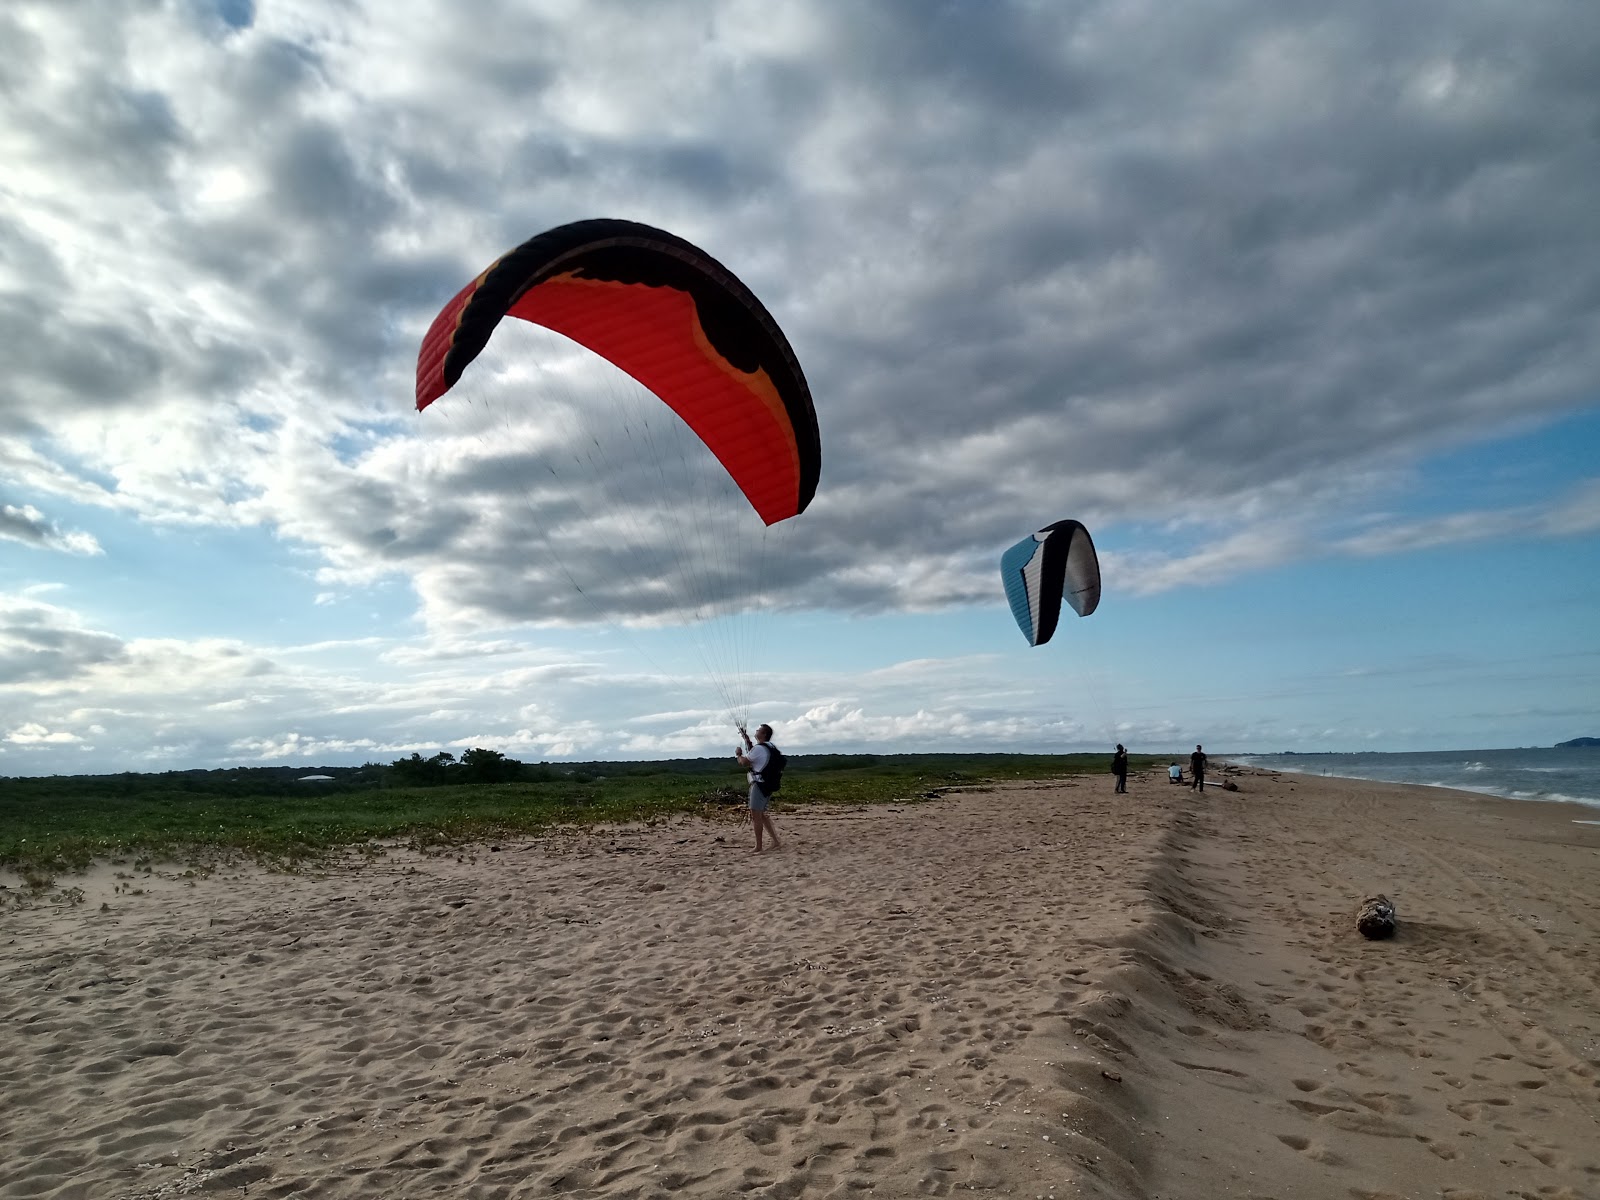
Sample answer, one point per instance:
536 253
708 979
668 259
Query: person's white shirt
759 756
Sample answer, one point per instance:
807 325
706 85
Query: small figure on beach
1174 774
1119 767
1197 769
756 756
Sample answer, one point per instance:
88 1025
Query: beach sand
1040 990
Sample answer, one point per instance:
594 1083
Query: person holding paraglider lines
757 757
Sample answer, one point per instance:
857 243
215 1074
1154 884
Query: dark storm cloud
23 59
1014 61
106 130
316 179
702 169
57 360
26 524
36 645
34 267
271 76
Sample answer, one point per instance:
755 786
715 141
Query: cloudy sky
1295 306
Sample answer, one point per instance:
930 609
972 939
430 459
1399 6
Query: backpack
771 777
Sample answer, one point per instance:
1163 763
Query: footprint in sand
1388 1103
1224 1077
1315 1151
1318 1110
1444 1152
1544 1152
1472 1110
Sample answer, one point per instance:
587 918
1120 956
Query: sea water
1571 775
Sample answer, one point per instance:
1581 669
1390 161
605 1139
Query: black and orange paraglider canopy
673 318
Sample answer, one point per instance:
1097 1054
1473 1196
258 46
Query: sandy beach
1028 990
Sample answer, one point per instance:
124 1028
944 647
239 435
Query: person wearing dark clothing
1197 769
1119 767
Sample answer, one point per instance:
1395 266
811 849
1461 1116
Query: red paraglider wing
670 316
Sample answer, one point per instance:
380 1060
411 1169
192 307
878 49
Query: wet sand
1033 990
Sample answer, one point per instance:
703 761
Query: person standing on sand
754 757
1119 767
1197 769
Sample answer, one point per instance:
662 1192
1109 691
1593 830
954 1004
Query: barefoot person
756 757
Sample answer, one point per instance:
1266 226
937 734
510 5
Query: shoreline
1262 762
1030 989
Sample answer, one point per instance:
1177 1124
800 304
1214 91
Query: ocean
1571 775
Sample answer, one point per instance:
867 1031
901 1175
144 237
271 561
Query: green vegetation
274 815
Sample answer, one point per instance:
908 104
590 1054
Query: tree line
475 766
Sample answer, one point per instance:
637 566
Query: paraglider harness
770 777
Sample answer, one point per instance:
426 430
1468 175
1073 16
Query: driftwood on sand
1375 917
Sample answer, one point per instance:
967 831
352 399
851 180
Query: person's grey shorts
758 798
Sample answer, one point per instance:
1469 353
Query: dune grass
47 830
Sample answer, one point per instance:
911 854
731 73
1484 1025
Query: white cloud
26 524
1576 514
33 734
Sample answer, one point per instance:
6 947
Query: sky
1296 307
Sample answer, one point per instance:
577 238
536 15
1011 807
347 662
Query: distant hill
1577 742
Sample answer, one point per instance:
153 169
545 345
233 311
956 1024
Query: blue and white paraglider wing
1058 562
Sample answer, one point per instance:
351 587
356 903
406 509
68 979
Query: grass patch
48 826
